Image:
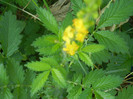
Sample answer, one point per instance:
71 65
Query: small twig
129 75
128 79
27 5
21 9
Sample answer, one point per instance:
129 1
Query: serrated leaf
93 48
39 82
107 82
6 94
99 57
58 77
15 71
85 58
3 76
67 21
20 93
117 12
77 5
126 93
51 61
74 92
103 95
31 28
48 20
111 41
47 44
10 30
86 94
92 77
29 77
38 66
119 65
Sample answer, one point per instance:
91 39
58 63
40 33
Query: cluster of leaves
33 64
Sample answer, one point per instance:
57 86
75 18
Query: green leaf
127 93
85 58
10 30
67 21
77 5
107 82
50 60
39 82
92 77
29 77
38 66
117 12
93 48
20 93
58 77
111 41
103 95
15 71
74 92
3 76
47 44
99 57
119 65
86 94
6 94
31 28
1 58
48 20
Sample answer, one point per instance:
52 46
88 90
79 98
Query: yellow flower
68 34
80 37
71 48
79 26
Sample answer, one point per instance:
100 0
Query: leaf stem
20 9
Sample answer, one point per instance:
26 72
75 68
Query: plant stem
20 9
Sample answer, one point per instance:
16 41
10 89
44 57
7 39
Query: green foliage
119 65
84 57
48 20
92 77
107 82
103 95
47 45
67 21
39 82
24 3
126 93
31 28
58 77
112 41
75 92
93 48
3 76
38 66
15 71
35 65
77 5
10 30
117 12
102 56
6 94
